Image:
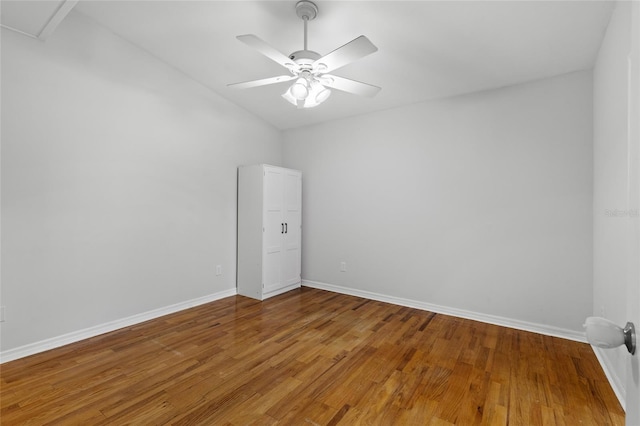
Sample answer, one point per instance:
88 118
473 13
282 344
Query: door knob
605 334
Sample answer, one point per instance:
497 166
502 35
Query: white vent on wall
37 19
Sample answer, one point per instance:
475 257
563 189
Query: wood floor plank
310 357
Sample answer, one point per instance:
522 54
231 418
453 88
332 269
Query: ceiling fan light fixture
317 95
323 95
300 89
289 97
310 103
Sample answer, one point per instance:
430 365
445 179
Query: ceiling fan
310 70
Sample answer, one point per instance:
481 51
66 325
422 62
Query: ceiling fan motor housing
304 58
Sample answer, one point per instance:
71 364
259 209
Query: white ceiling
427 49
37 19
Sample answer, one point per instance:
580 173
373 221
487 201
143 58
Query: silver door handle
605 334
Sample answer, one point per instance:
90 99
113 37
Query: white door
292 220
632 397
273 190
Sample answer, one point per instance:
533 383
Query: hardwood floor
310 357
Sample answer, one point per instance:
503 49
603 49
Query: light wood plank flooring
310 357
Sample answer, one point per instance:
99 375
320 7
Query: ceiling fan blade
268 51
351 86
262 82
355 49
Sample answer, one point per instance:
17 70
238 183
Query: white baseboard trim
76 336
476 316
281 290
616 382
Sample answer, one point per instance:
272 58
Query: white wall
610 184
118 182
481 202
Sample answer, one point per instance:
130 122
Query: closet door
269 233
293 221
273 221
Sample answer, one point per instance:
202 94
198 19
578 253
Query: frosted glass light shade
323 95
299 89
317 95
289 97
311 92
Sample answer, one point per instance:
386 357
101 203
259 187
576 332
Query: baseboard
476 316
75 336
282 290
616 382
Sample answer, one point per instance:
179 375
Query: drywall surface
480 202
118 182
610 215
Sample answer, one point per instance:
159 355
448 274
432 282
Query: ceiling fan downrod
307 11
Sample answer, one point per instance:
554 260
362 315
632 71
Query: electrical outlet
1 313
603 312
218 270
343 266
